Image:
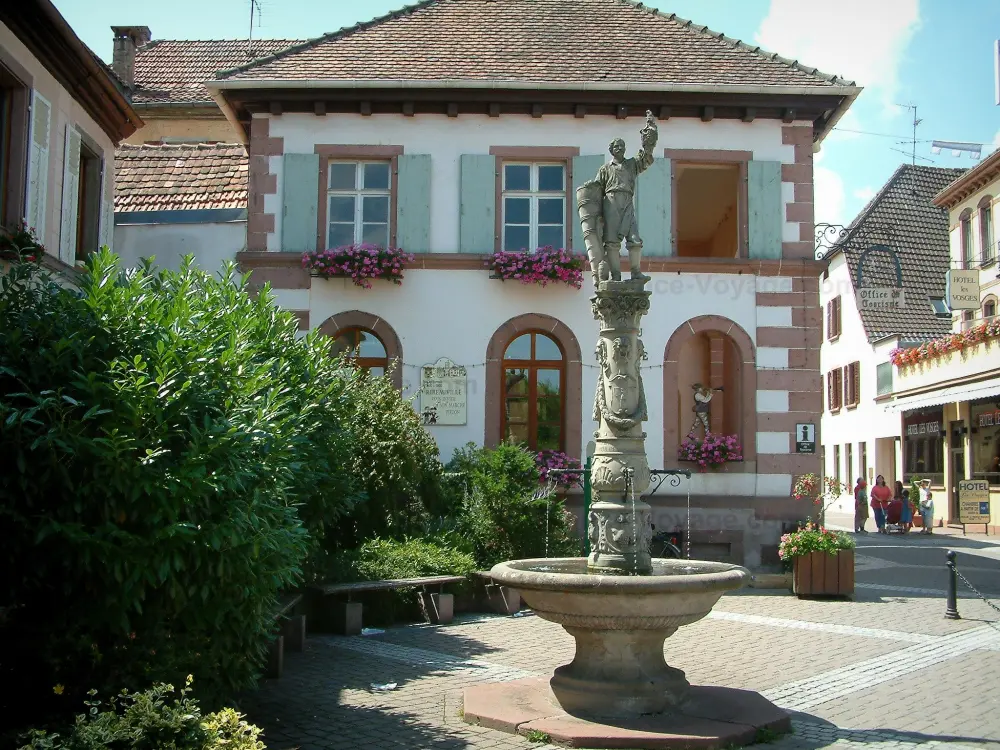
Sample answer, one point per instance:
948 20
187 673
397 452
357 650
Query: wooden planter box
820 574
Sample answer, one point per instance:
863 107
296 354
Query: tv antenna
254 6
913 140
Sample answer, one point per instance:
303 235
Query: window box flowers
712 452
545 265
20 244
953 342
359 263
549 459
822 561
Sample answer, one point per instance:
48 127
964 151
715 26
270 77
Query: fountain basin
619 623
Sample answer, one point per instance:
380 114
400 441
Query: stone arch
357 319
574 375
747 415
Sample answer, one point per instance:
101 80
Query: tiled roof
180 177
168 70
572 41
902 216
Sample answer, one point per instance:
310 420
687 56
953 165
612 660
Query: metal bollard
951 610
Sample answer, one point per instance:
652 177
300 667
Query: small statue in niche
702 407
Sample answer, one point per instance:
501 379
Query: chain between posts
976 591
951 608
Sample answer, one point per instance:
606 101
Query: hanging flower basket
359 263
711 452
953 342
545 265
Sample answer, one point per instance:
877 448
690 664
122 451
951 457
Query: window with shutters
836 463
533 205
358 203
89 200
835 389
710 203
833 318
987 242
863 460
14 146
849 462
989 308
852 385
965 229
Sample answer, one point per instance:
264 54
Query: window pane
550 409
375 234
515 238
550 237
341 208
519 348
376 371
550 177
340 235
375 209
343 176
343 343
550 211
546 348
548 382
517 210
516 382
517 433
517 410
516 177
370 345
377 176
548 437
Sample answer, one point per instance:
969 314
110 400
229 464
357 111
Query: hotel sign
963 289
973 501
924 428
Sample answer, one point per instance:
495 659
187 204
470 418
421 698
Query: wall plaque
443 393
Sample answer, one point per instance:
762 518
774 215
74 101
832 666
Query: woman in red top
881 497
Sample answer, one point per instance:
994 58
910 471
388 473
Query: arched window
986 230
365 349
989 308
965 224
534 401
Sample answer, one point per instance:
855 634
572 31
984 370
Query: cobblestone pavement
885 670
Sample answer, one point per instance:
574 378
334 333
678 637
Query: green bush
502 519
163 437
151 720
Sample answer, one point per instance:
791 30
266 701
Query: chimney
127 40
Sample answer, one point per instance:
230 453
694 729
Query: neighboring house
417 128
63 111
861 438
177 200
957 377
167 78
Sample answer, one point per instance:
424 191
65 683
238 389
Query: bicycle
666 544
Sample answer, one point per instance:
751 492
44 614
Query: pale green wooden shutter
300 196
38 165
654 209
477 190
584 169
413 203
765 208
70 196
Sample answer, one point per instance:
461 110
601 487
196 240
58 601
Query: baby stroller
893 516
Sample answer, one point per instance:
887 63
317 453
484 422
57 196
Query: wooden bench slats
399 583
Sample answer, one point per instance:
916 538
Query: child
927 506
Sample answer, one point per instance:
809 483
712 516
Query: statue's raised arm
648 136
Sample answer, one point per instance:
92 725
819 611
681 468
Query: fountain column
619 524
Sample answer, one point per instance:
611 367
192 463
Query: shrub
151 719
379 559
162 436
503 519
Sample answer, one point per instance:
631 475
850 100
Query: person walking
906 511
927 506
860 506
881 497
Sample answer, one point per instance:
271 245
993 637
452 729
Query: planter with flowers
562 480
711 452
953 342
20 244
822 561
359 263
544 266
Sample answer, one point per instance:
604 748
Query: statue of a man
617 179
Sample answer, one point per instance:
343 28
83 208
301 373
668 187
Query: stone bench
292 635
502 600
342 615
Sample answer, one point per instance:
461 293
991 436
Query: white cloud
861 40
864 194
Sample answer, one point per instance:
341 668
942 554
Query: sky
936 55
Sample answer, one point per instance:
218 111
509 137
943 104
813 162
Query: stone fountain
618 604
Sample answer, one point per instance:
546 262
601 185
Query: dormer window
940 307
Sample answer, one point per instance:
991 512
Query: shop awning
948 395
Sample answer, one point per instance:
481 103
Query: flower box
824 574
711 452
359 263
545 265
